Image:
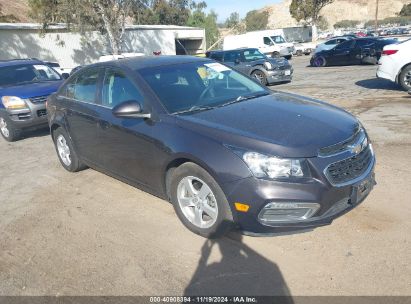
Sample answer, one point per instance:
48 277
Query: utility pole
376 15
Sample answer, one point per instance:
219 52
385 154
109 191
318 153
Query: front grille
344 145
284 67
39 99
23 116
351 168
41 113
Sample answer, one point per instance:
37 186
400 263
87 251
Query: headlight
268 65
272 167
13 102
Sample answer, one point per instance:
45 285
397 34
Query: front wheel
199 202
260 76
319 62
405 78
8 130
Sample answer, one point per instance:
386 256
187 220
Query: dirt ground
88 234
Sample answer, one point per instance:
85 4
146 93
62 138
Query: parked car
24 88
223 149
353 51
65 73
395 64
330 44
252 62
302 49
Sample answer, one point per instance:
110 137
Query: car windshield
199 86
278 39
27 73
252 55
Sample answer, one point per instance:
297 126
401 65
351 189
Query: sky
225 7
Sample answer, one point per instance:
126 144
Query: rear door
79 100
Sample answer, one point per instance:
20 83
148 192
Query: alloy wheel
63 150
259 76
407 78
3 127
197 202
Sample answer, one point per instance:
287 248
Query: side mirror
129 109
65 75
237 61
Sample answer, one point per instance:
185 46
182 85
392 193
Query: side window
267 41
68 89
231 56
85 87
331 42
217 56
345 45
117 88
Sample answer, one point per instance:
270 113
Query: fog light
287 212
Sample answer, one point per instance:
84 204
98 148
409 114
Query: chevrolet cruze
224 150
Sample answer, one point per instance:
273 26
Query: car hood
279 124
274 61
29 90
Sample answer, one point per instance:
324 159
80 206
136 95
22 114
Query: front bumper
34 116
279 76
334 201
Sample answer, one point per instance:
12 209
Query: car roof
6 63
137 63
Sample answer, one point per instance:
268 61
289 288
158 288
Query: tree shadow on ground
240 272
378 84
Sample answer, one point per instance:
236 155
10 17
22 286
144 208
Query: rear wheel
275 54
405 78
199 201
8 130
260 76
65 151
299 53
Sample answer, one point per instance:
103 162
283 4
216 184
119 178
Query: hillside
362 10
18 8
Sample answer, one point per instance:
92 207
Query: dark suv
222 148
252 62
24 88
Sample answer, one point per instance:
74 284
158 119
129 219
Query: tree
256 20
405 11
207 21
233 20
308 11
322 23
7 18
107 16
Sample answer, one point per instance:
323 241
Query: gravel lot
88 234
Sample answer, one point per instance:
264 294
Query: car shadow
35 133
379 84
241 271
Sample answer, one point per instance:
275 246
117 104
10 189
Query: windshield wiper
244 97
195 109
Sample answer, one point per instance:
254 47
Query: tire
260 76
65 151
275 54
405 78
209 217
319 62
8 130
299 53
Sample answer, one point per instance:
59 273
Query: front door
125 144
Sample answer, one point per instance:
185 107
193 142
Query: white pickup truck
269 42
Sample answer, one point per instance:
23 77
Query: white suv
395 64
